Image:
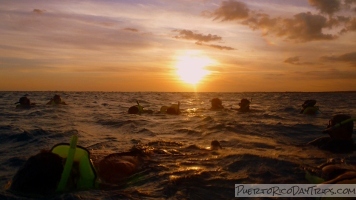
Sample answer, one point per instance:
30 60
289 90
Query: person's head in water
39 175
344 131
215 145
133 110
57 99
309 103
24 101
216 103
308 107
244 105
173 109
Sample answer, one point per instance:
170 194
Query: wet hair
39 175
309 103
244 105
216 103
244 101
24 101
215 144
133 110
57 99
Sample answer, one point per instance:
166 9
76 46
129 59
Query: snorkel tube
339 124
140 108
68 165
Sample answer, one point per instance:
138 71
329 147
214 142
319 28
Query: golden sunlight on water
191 66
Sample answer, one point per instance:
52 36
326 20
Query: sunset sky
178 46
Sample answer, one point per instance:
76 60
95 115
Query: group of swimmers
173 109
25 102
67 166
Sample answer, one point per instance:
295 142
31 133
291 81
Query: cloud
292 60
302 27
296 61
38 11
200 39
350 26
190 35
326 6
347 57
231 10
216 46
131 29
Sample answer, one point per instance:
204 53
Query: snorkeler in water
339 129
309 107
68 167
24 102
174 109
244 105
216 104
138 109
56 100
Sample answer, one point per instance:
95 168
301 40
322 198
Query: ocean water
266 145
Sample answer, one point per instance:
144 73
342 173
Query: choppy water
262 146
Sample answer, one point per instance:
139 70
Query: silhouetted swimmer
138 109
24 102
216 104
309 107
340 140
56 100
172 110
215 145
244 105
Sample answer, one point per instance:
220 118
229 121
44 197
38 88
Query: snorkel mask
74 153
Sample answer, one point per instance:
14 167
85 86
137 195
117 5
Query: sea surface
266 145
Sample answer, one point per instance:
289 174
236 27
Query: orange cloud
303 27
216 46
131 29
38 11
190 35
347 57
231 10
326 6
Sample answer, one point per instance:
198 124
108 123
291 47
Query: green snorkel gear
140 108
74 153
68 165
339 124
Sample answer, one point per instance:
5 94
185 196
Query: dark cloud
292 60
190 35
326 6
351 26
348 58
201 39
231 10
302 28
296 61
38 11
215 46
349 3
131 29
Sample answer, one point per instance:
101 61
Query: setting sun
191 67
